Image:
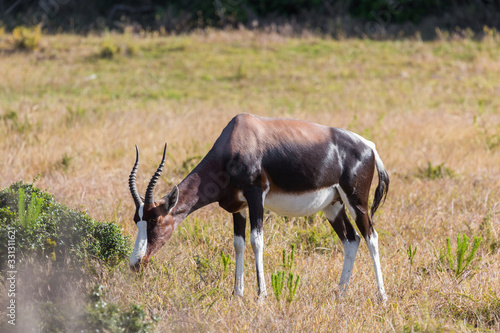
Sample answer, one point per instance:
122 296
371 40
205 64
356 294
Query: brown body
258 161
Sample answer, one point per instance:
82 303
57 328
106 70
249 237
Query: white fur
350 247
378 160
350 250
343 196
239 248
141 242
257 241
331 211
300 204
264 193
372 242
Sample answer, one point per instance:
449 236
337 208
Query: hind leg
358 207
350 239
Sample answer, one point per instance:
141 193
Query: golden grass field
73 118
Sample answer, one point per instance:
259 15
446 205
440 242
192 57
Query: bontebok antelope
291 167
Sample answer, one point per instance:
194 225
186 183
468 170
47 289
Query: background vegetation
73 110
376 19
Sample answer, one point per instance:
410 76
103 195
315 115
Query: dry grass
74 118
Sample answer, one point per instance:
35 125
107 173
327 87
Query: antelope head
153 219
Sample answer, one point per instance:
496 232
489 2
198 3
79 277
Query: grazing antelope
291 167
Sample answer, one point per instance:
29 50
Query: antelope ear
171 199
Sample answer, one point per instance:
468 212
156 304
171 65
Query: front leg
255 200
239 248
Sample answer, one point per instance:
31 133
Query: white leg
239 248
350 250
372 242
257 241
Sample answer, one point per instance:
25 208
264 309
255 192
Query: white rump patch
378 160
299 204
141 242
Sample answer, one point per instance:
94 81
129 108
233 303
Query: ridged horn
131 180
149 192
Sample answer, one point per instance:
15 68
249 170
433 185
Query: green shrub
97 316
108 49
435 172
26 38
47 229
102 316
131 50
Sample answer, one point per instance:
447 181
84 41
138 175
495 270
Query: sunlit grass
74 117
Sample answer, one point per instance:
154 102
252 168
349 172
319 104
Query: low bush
102 316
109 50
47 229
26 38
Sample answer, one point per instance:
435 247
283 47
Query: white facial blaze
141 242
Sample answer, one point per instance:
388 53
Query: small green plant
461 260
108 49
66 161
226 259
411 253
27 218
131 50
14 123
26 38
292 286
277 281
75 114
278 278
288 260
241 73
435 172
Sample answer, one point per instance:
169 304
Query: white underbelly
299 204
